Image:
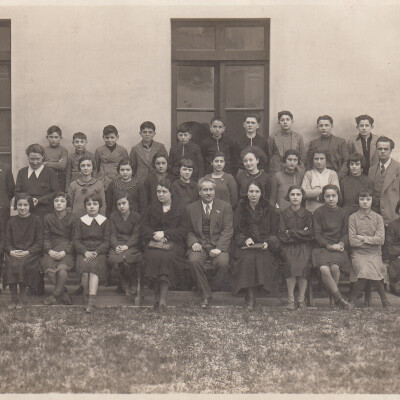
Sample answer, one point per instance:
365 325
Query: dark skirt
253 268
321 256
48 264
97 266
131 256
24 270
164 265
296 260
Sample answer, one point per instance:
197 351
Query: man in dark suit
209 236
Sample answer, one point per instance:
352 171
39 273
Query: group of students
285 208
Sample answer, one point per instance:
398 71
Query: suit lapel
142 155
390 176
279 144
198 217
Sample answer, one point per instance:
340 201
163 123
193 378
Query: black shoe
78 291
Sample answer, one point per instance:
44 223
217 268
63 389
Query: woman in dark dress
23 247
295 234
256 230
164 230
331 233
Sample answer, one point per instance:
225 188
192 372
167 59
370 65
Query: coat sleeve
302 151
133 159
105 245
134 239
10 184
68 174
2 234
46 235
113 235
227 229
393 240
179 232
109 199
103 198
146 230
274 191
192 236
37 245
240 238
378 239
233 191
60 164
345 230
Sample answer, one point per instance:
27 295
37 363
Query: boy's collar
147 146
217 138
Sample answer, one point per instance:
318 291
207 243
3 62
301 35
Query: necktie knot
208 210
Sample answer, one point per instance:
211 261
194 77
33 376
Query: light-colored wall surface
85 67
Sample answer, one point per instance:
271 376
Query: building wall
84 67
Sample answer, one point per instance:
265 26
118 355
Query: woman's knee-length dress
296 236
23 234
165 265
92 234
255 268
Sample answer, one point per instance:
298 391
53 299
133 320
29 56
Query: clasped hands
339 247
18 254
159 236
57 255
89 256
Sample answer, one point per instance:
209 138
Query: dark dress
42 188
255 268
189 151
117 188
296 236
349 188
92 238
23 234
165 265
330 226
187 193
392 244
243 178
125 232
57 234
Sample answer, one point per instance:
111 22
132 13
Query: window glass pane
194 38
195 87
5 38
200 123
244 38
5 86
244 86
5 129
234 123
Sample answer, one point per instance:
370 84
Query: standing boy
336 146
251 125
185 149
108 156
141 155
365 142
79 140
219 141
56 156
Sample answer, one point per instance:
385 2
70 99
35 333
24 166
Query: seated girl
58 257
295 234
282 180
226 187
256 230
330 226
164 229
125 255
366 237
315 179
352 183
91 243
185 188
85 186
23 245
250 157
124 184
392 245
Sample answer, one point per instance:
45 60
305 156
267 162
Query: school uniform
189 151
107 161
118 188
141 158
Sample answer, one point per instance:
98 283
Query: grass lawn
222 350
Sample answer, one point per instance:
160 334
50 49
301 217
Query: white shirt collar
386 165
205 205
86 219
36 171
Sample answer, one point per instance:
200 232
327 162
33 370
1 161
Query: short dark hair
186 162
165 182
252 115
148 125
79 135
331 187
54 129
35 148
84 158
24 196
365 192
282 113
386 140
325 117
109 129
93 197
354 158
258 184
121 195
184 127
320 150
158 155
218 154
364 116
217 118
66 196
303 193
253 150
290 152
124 161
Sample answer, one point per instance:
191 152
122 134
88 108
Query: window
219 67
5 91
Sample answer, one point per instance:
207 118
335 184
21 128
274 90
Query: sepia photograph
200 199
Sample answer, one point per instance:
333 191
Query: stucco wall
85 67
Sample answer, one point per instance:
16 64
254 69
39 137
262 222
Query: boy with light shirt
185 149
336 146
79 140
141 155
365 142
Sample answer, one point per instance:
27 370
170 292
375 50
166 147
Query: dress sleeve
353 240
378 239
179 232
10 184
134 239
46 235
318 229
114 231
37 245
344 237
109 199
68 174
311 193
146 230
98 159
240 238
274 191
233 191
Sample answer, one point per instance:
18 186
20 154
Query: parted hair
303 193
84 158
158 155
93 197
331 187
24 196
203 180
35 148
282 113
